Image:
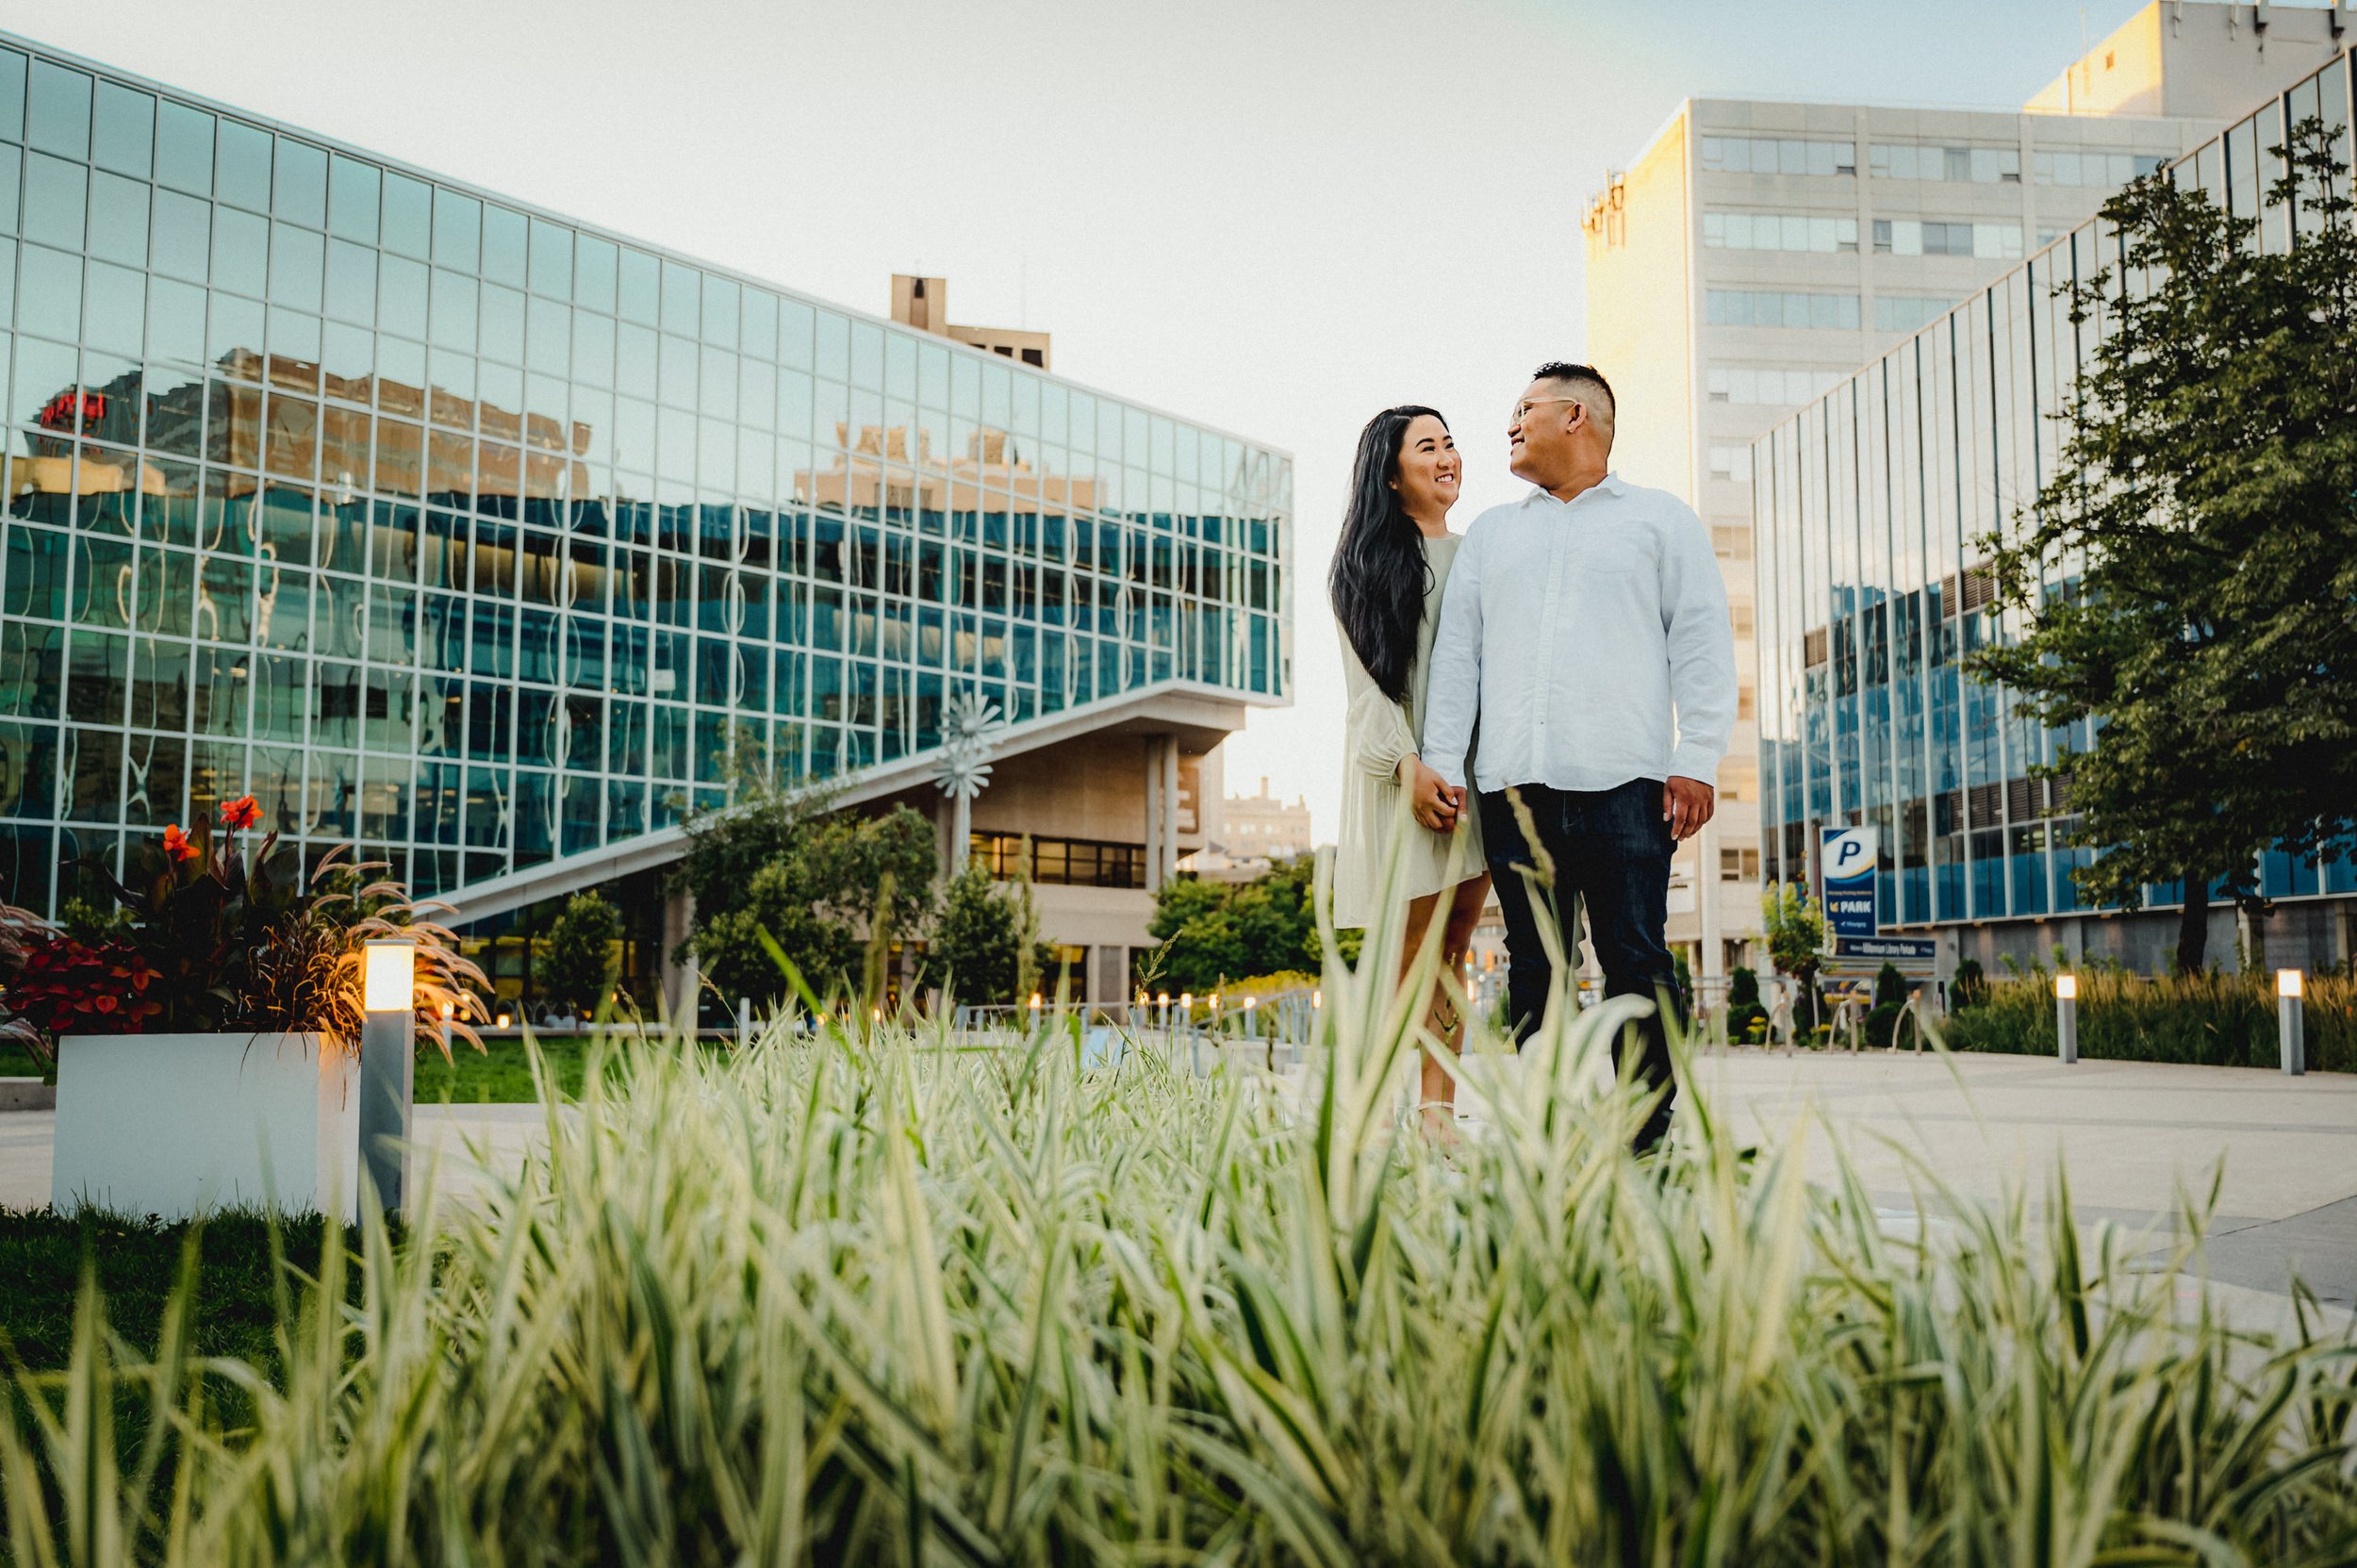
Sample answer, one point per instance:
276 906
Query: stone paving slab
2136 1139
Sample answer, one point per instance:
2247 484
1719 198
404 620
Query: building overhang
1199 715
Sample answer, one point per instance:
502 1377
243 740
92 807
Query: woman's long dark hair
1379 578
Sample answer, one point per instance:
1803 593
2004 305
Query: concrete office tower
1871 503
1755 252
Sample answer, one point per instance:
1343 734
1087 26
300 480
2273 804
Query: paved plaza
2137 1138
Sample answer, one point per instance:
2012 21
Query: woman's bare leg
1438 1094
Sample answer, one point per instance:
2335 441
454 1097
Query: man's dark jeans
1611 852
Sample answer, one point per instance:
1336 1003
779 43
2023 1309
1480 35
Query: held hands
1435 805
1687 804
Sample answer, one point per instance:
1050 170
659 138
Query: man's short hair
1588 381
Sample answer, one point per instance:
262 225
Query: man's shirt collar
1611 485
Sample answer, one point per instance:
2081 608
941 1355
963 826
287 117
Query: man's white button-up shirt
1591 639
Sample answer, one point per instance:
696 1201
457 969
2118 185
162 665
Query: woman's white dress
1376 823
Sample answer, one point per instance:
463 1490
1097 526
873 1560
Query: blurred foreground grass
911 1298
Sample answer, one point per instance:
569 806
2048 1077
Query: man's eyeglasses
1528 406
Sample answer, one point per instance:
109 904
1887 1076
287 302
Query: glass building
481 539
1870 588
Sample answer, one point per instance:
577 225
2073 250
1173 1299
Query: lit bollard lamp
2066 1017
388 1066
2291 1020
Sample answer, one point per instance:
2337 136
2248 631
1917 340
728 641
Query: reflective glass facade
1867 503
478 538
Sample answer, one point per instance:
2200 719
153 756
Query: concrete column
1170 806
1707 894
681 982
2250 932
1153 814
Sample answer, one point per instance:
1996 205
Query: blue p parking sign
1846 857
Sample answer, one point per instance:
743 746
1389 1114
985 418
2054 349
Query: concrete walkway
2140 1141
2137 1139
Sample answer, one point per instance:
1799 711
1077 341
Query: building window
1730 462
1781 308
1909 312
1773 388
1778 231
1771 155
1901 161
1915 237
1732 541
1738 865
1066 862
2104 170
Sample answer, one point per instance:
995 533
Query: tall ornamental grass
2209 1021
906 1298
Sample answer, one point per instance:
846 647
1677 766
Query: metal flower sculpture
967 723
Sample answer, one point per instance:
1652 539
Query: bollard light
389 976
2291 1022
1317 1000
2066 987
1035 1001
2066 1017
389 1061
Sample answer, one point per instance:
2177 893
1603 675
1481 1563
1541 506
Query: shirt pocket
1614 554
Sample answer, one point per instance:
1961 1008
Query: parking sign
1846 857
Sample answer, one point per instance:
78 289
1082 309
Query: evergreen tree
580 961
978 952
2188 579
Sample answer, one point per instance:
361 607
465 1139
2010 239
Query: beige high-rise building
1755 252
923 303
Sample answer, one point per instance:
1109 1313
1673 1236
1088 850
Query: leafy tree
2187 578
1795 932
725 847
822 887
578 966
735 961
1213 933
978 948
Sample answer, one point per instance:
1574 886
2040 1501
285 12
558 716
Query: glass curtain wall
473 537
1870 503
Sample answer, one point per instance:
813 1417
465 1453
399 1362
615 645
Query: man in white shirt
1585 626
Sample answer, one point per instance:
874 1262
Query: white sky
1274 216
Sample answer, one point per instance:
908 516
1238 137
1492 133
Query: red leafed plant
211 938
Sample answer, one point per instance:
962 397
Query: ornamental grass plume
898 1293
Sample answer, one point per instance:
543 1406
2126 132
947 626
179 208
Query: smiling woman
1401 838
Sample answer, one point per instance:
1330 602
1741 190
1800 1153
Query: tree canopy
1213 933
2188 582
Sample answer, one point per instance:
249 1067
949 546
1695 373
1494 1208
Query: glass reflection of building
1870 589
474 537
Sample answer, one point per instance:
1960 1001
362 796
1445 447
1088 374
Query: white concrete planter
178 1124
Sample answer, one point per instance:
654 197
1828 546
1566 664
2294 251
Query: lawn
137 1262
500 1074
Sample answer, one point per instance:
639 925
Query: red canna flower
177 844
240 813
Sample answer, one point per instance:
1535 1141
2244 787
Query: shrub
1743 986
1882 1023
2210 1019
1890 986
1967 987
